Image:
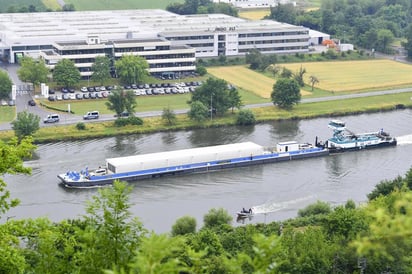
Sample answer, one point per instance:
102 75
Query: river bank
308 110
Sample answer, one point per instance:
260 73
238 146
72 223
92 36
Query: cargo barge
205 159
195 160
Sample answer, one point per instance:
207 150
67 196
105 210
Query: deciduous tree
101 69
111 235
313 81
66 74
120 100
26 124
198 111
214 93
184 225
286 93
169 116
33 71
5 85
131 69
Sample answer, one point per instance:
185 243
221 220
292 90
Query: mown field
348 76
247 79
254 14
357 75
118 5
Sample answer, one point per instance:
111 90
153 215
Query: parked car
91 115
33 103
123 114
83 89
51 118
86 96
79 96
52 91
11 103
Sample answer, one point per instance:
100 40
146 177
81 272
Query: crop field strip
333 76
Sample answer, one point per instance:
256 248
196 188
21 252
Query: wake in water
404 140
273 206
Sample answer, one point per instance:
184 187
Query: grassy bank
154 124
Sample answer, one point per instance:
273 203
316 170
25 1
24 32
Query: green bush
315 209
184 225
245 117
121 122
80 126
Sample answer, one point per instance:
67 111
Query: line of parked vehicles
99 92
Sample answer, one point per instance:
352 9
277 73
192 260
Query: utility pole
211 107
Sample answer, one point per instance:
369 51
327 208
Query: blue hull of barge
98 181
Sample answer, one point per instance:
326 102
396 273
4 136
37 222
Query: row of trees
131 69
12 7
202 7
371 24
373 238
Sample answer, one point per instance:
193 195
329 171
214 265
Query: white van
52 118
91 115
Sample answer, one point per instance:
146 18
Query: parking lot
100 92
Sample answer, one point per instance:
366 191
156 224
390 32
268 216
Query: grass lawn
120 5
355 76
6 113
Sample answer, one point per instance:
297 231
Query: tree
69 7
254 58
111 235
285 13
5 85
286 93
198 111
315 209
286 73
201 70
120 100
235 101
214 94
313 81
408 43
101 69
169 116
184 225
33 71
385 38
26 124
66 74
299 76
159 254
131 69
245 117
217 217
12 156
387 245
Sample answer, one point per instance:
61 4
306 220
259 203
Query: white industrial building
254 4
170 42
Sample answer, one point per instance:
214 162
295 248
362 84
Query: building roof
44 28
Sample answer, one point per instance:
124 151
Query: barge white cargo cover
183 157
